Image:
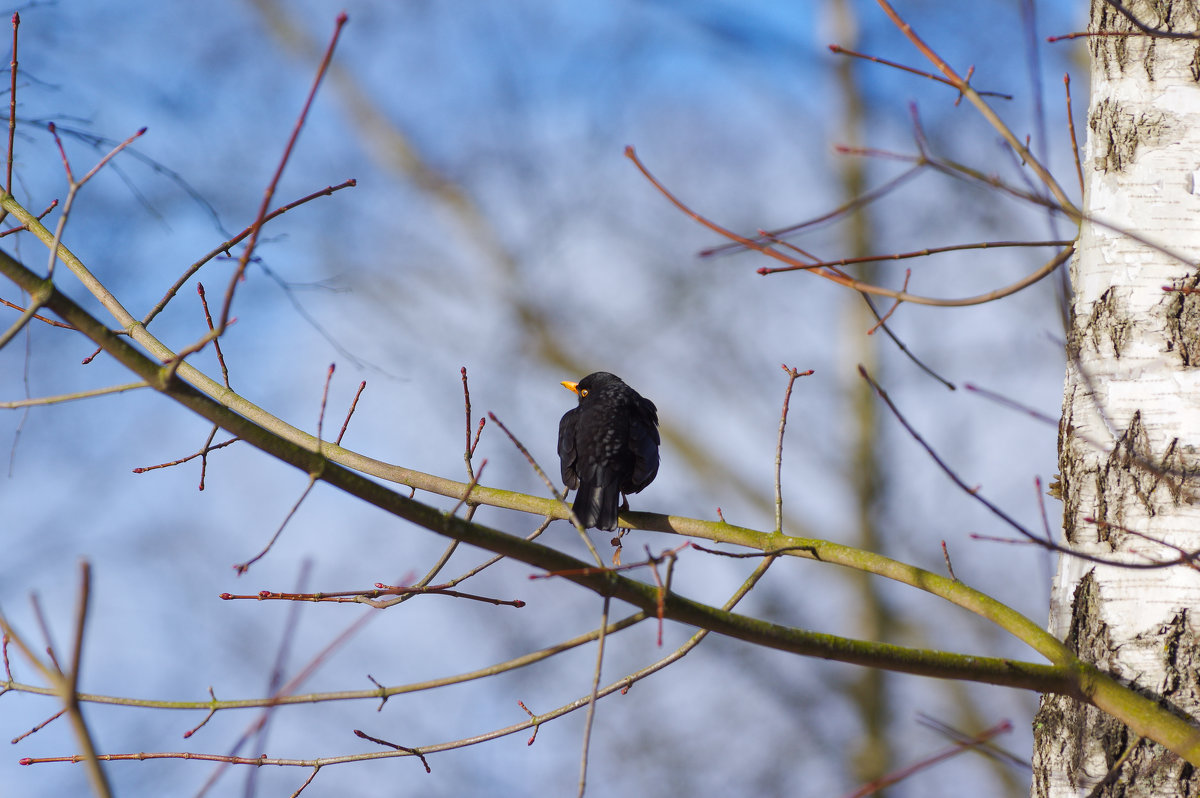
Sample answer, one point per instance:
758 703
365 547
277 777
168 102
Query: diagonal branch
1068 675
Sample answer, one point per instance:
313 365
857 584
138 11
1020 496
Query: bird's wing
644 440
566 447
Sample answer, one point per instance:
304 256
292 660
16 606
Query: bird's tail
597 506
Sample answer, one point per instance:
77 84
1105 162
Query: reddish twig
919 253
1043 174
242 567
38 727
216 344
204 454
225 246
988 749
51 322
182 460
12 105
75 185
883 319
469 449
949 565
955 750
53 204
380 590
211 713
793 375
842 279
849 207
349 413
666 554
263 208
843 51
532 717
398 747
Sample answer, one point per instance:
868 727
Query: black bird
607 445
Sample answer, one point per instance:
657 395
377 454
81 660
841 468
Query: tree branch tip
342 18
225 596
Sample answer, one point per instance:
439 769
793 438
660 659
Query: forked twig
836 48
263 208
561 497
842 279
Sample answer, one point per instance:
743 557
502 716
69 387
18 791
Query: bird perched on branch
607 446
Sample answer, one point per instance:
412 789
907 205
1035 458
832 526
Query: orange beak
573 387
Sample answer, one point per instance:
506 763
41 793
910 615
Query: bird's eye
583 392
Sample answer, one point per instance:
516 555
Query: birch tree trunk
1130 429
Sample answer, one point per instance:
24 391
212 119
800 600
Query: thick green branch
1068 675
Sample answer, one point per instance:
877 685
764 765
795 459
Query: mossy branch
1067 675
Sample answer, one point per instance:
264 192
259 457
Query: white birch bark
1132 400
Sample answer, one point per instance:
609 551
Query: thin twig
1184 558
883 319
216 343
73 189
1071 129
846 208
591 711
276 678
51 322
843 51
955 750
920 253
350 413
12 108
242 567
201 453
1158 33
397 746
984 109
793 375
228 244
841 279
561 497
71 397
256 228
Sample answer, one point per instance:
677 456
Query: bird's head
591 383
